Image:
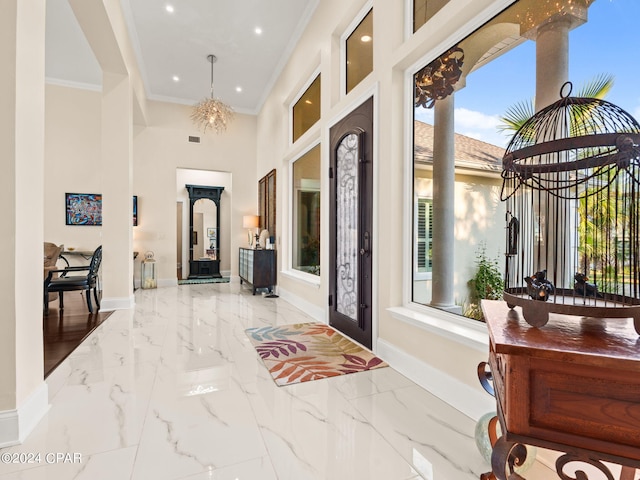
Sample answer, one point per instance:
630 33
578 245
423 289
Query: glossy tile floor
174 390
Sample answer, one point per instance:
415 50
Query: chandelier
436 81
212 112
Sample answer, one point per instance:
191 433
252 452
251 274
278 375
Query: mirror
204 225
205 228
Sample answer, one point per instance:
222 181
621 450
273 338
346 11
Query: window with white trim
359 52
305 216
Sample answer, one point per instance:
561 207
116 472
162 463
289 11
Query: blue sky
608 43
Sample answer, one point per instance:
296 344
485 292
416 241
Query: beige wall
73 165
163 147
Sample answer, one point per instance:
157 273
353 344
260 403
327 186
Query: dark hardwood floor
64 330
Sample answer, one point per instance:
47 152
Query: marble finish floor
173 389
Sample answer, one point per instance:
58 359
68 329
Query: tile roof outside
470 153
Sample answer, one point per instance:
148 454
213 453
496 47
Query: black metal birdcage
571 183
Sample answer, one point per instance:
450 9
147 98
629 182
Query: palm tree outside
516 115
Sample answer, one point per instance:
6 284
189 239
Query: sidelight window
306 212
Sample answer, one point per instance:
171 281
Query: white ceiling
177 44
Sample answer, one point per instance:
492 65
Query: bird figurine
539 287
583 288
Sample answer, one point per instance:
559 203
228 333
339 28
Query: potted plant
487 283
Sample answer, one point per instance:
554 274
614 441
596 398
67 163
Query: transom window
306 111
423 10
359 52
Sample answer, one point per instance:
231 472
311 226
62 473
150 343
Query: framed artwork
135 210
267 202
83 208
212 233
86 209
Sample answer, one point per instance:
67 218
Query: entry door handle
366 247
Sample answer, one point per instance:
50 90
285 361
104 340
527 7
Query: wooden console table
572 386
257 267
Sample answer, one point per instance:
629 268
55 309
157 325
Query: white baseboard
472 402
319 314
117 303
16 425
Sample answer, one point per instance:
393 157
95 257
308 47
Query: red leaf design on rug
312 351
278 347
320 329
301 369
358 364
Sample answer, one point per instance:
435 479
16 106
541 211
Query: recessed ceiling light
169 8
238 89
365 38
176 78
258 31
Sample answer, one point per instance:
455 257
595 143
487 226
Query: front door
351 218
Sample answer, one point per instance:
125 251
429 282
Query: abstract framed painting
135 210
83 208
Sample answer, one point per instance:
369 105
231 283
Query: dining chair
72 278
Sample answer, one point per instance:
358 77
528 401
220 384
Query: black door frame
360 122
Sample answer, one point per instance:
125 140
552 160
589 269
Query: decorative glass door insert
347 226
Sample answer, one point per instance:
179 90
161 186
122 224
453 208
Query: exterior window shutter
424 235
429 236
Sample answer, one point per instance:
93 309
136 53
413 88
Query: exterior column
117 196
552 60
23 392
552 71
443 205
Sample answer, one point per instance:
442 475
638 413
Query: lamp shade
250 221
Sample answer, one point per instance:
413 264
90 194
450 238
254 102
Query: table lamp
249 222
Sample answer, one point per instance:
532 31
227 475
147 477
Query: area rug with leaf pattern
309 351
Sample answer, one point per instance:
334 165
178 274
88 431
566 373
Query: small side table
135 255
572 386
